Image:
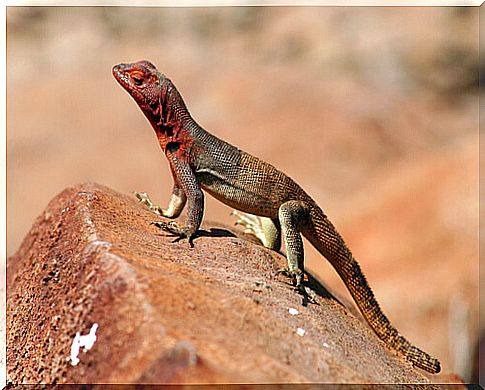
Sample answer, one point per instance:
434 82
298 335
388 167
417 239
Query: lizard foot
252 225
296 276
174 229
171 227
145 199
266 230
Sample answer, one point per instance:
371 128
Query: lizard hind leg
144 199
175 205
266 230
293 216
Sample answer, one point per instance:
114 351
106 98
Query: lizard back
242 180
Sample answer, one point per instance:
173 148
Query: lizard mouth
120 75
123 79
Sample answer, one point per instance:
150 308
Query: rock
163 312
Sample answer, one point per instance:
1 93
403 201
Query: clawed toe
144 199
296 276
173 228
283 271
170 227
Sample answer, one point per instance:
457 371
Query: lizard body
200 161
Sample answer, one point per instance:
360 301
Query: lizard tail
323 235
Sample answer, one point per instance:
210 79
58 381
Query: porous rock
171 313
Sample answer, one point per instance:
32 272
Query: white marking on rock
86 342
300 332
293 311
326 345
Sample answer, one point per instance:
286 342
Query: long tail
323 235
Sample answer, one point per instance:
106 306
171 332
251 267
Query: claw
283 271
170 227
296 276
143 198
173 228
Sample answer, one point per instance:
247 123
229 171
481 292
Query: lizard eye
138 80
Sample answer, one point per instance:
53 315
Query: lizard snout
118 69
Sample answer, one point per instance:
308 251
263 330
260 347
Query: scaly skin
200 161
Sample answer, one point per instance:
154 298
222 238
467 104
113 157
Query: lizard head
142 81
154 92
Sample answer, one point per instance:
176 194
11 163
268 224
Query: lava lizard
200 161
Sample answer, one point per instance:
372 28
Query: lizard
201 161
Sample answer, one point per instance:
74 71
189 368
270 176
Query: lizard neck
171 119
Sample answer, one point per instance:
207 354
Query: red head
141 80
155 94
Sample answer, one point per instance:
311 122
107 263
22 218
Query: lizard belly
245 182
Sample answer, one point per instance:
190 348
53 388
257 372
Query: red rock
169 313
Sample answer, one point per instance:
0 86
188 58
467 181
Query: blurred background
374 111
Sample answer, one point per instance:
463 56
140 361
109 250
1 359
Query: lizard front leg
185 177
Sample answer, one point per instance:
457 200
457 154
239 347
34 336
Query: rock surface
169 313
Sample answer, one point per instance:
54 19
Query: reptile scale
201 161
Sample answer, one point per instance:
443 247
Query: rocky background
374 111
